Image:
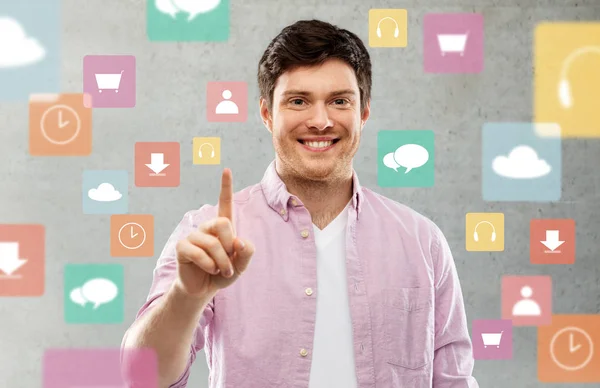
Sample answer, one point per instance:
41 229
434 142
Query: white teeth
319 144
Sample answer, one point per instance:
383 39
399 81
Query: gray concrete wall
172 79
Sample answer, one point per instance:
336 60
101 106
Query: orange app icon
59 125
22 251
552 241
157 164
131 235
527 300
568 349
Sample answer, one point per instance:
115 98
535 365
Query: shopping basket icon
109 81
491 339
453 43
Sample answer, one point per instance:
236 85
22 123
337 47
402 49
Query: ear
365 114
265 115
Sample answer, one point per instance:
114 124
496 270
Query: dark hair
309 43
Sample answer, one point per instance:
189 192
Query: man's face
316 120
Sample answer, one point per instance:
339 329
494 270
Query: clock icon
60 124
132 235
571 348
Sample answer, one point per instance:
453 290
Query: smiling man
308 279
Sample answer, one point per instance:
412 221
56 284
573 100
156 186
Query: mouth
318 146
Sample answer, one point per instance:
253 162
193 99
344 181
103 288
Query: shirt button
282 211
294 202
303 352
308 291
304 233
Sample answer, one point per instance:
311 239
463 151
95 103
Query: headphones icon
476 236
212 154
396 31
564 87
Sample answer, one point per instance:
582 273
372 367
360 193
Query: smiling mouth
318 144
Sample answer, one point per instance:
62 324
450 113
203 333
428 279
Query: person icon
526 306
227 107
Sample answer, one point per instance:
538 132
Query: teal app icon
93 293
188 20
105 192
405 158
520 163
30 48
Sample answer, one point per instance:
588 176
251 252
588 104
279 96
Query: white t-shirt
333 352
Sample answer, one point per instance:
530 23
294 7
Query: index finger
226 196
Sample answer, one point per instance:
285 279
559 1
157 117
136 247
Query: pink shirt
408 318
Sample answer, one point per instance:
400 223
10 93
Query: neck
324 199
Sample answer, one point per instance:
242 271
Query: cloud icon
521 163
104 193
16 49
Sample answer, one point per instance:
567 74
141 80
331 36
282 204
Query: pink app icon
109 80
492 339
99 368
527 300
453 43
227 101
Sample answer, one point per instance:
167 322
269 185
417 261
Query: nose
319 118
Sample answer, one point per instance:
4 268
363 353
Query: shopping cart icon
109 81
491 339
453 43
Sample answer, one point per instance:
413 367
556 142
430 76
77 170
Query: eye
296 101
340 101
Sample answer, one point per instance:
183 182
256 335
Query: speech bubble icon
196 7
411 156
99 291
388 161
77 297
166 6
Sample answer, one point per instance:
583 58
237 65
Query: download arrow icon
9 258
157 163
552 242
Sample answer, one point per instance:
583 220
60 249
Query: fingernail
216 271
229 272
242 245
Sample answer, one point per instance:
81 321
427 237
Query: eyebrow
306 93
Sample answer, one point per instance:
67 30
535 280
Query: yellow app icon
567 77
207 150
388 27
484 232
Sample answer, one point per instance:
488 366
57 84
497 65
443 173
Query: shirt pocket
408 326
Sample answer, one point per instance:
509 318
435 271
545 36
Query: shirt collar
277 195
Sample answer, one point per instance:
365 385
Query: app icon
157 164
453 43
99 368
566 59
188 20
484 232
110 80
131 235
527 300
405 158
105 192
552 241
93 293
492 339
227 101
22 259
207 150
568 349
388 27
519 165
59 125
30 56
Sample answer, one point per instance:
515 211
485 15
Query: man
346 288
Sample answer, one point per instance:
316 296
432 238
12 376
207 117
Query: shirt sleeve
453 356
164 274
